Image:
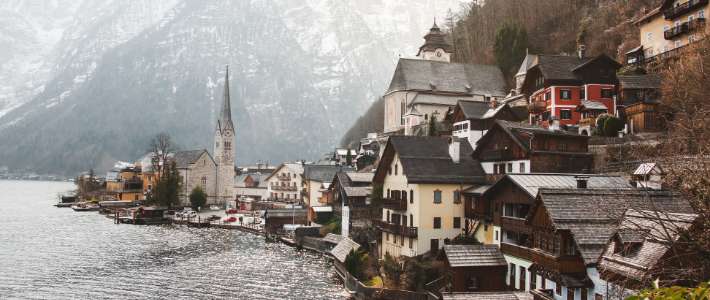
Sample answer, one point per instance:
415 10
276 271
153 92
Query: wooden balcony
411 232
684 28
394 204
537 107
284 177
684 8
499 154
560 264
515 224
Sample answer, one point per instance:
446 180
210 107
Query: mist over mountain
90 82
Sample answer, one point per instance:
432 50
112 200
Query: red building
558 84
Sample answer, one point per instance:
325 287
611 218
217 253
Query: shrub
356 263
198 198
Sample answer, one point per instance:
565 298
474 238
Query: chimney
455 149
581 181
581 51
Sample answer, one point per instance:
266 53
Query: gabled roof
427 160
443 77
343 248
473 109
586 105
474 256
521 134
529 61
322 173
565 67
592 215
647 81
359 191
652 232
648 168
296 168
183 159
360 177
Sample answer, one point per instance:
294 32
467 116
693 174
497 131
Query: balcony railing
684 28
499 154
411 232
684 8
284 188
543 294
562 264
283 177
394 204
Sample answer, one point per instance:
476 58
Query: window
389 171
395 169
582 94
510 167
565 114
562 146
388 216
533 280
437 196
411 243
649 36
558 289
583 294
473 283
548 96
387 236
522 167
522 278
437 222
411 220
678 44
457 197
401 241
570 293
457 222
434 245
411 196
204 181
565 94
607 93
404 196
511 275
389 194
394 238
496 236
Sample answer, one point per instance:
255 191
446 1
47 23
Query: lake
56 253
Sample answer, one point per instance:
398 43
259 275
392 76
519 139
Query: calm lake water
56 253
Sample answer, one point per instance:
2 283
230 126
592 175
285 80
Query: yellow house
127 184
422 179
672 25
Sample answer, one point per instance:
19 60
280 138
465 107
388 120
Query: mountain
302 72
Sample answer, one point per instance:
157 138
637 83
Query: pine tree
198 198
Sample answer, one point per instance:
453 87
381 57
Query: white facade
286 183
511 166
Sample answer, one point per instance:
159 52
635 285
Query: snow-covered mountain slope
302 71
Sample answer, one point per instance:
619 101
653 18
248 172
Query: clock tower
224 148
435 46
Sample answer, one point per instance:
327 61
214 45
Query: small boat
85 207
66 201
214 207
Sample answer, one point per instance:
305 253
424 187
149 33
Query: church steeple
435 45
225 120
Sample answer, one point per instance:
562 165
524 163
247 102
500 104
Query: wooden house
472 119
640 97
475 268
350 194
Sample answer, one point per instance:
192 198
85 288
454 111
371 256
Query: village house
317 179
125 183
340 156
422 179
471 120
510 147
640 96
196 168
251 186
570 229
349 194
475 268
646 247
285 184
431 84
668 28
558 84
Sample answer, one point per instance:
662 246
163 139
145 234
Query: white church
213 172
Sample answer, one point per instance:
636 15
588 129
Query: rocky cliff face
122 71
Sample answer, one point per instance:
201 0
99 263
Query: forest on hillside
501 31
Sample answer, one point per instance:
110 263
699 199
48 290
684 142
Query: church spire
225 120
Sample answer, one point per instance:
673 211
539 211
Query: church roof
435 39
443 77
225 120
183 159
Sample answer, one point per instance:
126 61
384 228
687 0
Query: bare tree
160 147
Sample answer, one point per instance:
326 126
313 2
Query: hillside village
548 189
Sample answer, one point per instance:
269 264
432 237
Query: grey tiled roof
531 183
647 81
184 158
426 159
361 191
591 215
656 233
333 238
341 251
592 105
474 109
415 74
360 177
521 133
474 256
322 173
